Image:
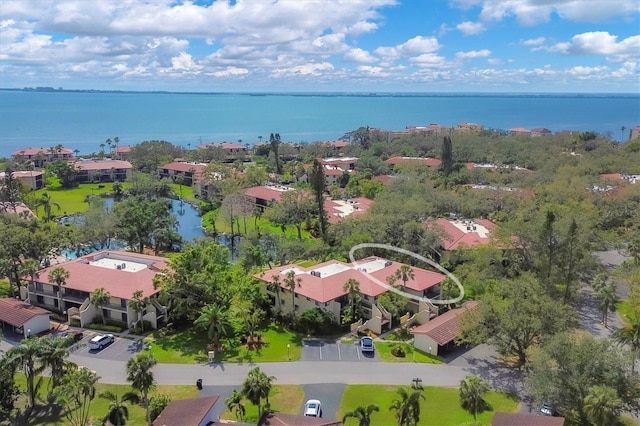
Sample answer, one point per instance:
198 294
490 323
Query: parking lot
325 350
120 350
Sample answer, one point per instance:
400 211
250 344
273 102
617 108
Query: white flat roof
332 269
123 265
373 265
475 227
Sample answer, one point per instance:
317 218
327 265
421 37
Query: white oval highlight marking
415 256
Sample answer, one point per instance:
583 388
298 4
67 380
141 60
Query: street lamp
288 352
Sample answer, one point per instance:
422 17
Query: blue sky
324 45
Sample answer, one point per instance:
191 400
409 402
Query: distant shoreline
334 94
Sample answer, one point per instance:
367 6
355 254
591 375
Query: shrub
316 321
398 351
111 325
138 328
157 403
75 323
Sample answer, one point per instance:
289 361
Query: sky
519 46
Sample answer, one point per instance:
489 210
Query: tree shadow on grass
40 415
189 342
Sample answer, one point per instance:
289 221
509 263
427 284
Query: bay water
84 120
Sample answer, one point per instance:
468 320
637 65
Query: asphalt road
329 395
322 350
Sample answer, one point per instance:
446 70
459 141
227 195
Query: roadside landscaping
441 406
386 351
100 406
283 398
189 346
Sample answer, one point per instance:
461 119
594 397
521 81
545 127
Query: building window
40 300
125 319
297 308
308 300
39 286
123 303
55 302
296 295
326 304
106 313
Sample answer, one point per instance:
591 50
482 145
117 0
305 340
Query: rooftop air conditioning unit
388 263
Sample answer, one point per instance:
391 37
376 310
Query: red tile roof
281 419
223 145
327 288
45 151
385 179
519 130
455 237
429 162
102 164
17 208
446 327
337 144
17 312
119 283
611 176
26 174
185 167
183 412
524 419
124 149
264 193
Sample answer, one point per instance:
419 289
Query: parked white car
313 408
366 344
100 341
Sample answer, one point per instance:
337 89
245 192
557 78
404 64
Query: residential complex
119 273
102 170
40 156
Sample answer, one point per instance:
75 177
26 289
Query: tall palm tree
59 276
404 273
45 202
274 286
291 282
118 413
76 393
141 378
26 356
608 298
362 414
234 404
116 142
352 287
256 387
101 150
630 335
30 267
53 355
216 320
602 405
407 407
472 392
100 298
138 303
76 152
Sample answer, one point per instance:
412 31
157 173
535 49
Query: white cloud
534 12
601 43
471 28
307 69
230 71
359 56
415 46
473 54
533 41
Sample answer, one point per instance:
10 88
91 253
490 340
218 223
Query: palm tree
352 287
116 142
100 298
630 335
59 276
472 392
234 404
404 274
101 150
257 386
274 286
26 356
45 202
407 407
141 378
76 152
138 303
291 282
118 413
76 393
362 414
214 317
608 298
30 267
53 355
602 405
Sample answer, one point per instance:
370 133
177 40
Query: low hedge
111 325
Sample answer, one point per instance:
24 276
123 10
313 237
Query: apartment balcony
44 292
75 298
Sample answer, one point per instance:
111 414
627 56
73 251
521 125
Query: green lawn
398 336
73 200
283 398
263 224
99 406
413 355
625 310
440 407
4 287
189 346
